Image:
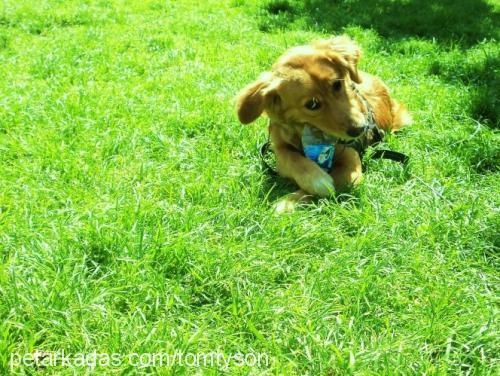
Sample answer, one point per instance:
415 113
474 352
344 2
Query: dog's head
309 84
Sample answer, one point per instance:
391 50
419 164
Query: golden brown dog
319 85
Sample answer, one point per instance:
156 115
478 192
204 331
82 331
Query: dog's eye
337 85
313 104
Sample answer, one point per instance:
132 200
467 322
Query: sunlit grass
135 216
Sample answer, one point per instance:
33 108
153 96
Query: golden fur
323 70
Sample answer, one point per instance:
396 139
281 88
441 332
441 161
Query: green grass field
135 216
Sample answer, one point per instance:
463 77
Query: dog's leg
292 164
307 174
347 171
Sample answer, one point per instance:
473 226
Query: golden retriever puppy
319 86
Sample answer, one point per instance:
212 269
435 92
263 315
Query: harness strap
372 135
370 121
264 151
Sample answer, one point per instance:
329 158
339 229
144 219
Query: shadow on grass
463 22
277 187
482 76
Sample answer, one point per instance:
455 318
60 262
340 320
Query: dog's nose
355 131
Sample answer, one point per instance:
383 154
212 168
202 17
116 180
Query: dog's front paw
317 182
291 202
285 205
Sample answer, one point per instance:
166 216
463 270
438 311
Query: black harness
371 136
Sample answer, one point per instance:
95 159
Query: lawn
136 218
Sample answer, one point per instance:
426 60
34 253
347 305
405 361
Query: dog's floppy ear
342 50
254 98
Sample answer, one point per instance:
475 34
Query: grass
135 216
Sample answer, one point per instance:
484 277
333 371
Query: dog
319 86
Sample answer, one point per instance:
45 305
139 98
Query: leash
266 157
391 155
